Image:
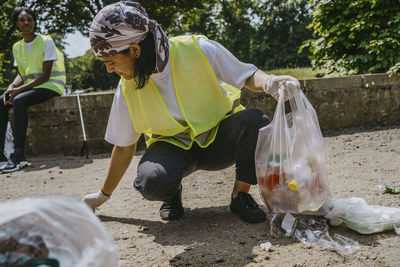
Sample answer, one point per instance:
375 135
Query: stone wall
342 102
55 127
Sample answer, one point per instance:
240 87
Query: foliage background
356 37
266 33
340 37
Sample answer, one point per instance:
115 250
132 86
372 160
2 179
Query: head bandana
121 24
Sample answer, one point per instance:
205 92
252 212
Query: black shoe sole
176 214
250 219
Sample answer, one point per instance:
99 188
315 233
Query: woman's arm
260 81
255 82
17 81
19 87
121 157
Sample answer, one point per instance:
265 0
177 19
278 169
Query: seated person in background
40 76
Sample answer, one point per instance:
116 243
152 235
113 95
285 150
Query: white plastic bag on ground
290 159
64 228
356 214
8 142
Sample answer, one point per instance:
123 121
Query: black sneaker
247 208
15 163
173 209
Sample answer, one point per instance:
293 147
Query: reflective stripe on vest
200 139
199 97
30 65
52 74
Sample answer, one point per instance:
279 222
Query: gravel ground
357 161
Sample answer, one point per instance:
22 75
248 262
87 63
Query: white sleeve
50 52
120 130
226 66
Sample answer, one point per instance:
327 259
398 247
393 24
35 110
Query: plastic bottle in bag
303 181
274 172
295 183
293 187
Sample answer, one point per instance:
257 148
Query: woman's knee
19 103
154 183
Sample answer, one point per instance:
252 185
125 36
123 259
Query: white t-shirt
50 52
227 68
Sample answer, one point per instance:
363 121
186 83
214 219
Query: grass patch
299 73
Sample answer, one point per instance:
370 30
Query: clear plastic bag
356 214
316 233
53 230
290 159
8 142
313 231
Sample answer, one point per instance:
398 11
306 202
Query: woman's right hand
95 200
272 84
7 96
12 91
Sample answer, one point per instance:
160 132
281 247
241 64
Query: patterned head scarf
121 24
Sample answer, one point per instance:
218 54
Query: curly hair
18 12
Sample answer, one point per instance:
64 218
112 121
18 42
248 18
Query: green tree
66 16
88 71
354 37
280 33
8 37
266 33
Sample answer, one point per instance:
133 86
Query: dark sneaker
172 210
15 163
247 208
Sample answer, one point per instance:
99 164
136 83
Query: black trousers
163 165
21 102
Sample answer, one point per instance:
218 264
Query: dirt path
209 235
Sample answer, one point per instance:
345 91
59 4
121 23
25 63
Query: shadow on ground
200 231
63 162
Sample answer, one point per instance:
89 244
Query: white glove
272 84
94 200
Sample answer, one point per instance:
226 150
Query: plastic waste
390 189
267 246
61 230
357 215
315 232
311 231
290 159
8 143
397 229
289 224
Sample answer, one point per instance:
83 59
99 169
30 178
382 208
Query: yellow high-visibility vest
30 65
199 96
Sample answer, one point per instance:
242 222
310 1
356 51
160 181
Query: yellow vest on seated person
199 96
30 65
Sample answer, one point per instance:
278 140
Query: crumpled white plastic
71 231
356 214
